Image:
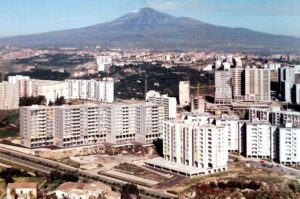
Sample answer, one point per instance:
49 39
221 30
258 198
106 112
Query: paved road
42 163
26 164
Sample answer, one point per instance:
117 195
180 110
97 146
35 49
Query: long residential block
75 125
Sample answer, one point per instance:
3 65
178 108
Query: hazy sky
19 17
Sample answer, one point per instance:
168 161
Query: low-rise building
80 190
21 190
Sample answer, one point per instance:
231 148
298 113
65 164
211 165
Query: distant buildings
257 84
169 103
91 89
184 93
104 63
75 125
223 87
238 84
22 86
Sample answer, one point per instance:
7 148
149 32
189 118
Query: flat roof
179 167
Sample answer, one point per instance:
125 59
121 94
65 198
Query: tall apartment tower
194 145
184 93
257 84
223 89
286 77
238 84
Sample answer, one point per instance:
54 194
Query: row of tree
40 100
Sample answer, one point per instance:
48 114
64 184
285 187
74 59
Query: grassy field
8 133
9 117
9 123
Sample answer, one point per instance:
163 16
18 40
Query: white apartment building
297 93
9 96
276 116
79 125
197 146
22 86
237 84
104 63
37 126
50 89
223 87
258 139
286 77
184 93
230 123
75 125
91 89
289 145
169 103
257 84
35 87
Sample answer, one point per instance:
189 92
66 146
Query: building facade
238 84
75 125
257 84
184 93
9 96
169 103
91 89
196 146
223 87
288 145
104 63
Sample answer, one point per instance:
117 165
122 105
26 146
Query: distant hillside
148 28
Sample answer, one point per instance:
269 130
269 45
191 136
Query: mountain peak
148 28
146 16
147 9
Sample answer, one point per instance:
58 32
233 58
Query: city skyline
31 16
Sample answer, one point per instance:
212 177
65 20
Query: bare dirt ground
240 181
